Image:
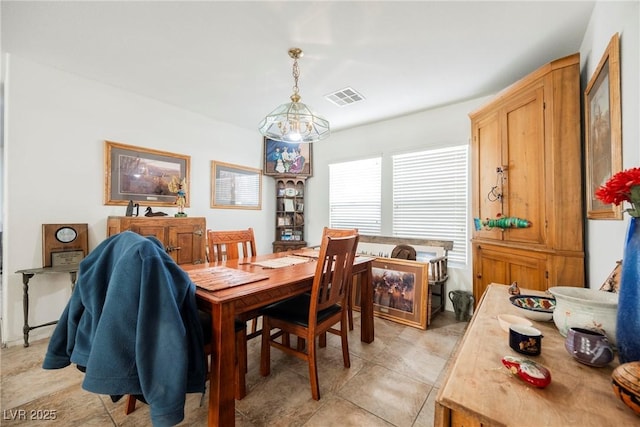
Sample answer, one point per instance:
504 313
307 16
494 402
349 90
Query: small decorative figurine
612 284
514 289
528 371
149 212
501 222
130 206
177 186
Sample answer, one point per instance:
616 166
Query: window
355 195
430 197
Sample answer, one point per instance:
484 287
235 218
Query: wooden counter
479 391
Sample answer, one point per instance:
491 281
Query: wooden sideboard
479 391
183 238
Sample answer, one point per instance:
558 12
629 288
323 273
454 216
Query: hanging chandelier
294 121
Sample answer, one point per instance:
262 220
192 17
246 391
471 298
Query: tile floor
392 382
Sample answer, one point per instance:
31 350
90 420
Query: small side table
26 276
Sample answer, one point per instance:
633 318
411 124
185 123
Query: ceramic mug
588 346
525 339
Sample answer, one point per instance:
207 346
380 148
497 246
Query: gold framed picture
235 187
399 291
142 175
603 130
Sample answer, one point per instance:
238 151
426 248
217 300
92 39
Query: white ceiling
228 60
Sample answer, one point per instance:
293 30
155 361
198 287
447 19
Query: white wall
435 128
56 124
606 237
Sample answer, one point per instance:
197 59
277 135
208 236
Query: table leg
222 373
74 275
366 305
25 306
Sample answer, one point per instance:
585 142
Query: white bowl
507 320
585 308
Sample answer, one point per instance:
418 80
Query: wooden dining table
264 285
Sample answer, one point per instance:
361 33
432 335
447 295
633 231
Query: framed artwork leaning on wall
399 291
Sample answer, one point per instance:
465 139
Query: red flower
622 187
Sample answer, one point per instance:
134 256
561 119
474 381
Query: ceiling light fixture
294 121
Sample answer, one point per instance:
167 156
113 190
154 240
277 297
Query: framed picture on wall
284 158
235 187
603 130
142 175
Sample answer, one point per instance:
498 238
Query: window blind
355 195
237 189
430 197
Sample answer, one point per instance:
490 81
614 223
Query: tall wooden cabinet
526 163
183 238
289 213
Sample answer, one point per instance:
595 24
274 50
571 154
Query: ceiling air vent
344 97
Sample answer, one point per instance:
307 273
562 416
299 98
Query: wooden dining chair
344 232
234 244
226 245
312 314
241 358
230 244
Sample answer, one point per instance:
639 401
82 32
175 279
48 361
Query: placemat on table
216 278
282 262
309 253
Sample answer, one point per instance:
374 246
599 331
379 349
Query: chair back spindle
333 273
230 244
345 232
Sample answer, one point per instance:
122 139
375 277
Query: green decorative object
506 222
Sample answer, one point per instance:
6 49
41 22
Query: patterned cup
589 347
525 339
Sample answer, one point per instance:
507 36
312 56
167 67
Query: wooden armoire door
508 149
487 179
496 264
524 152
